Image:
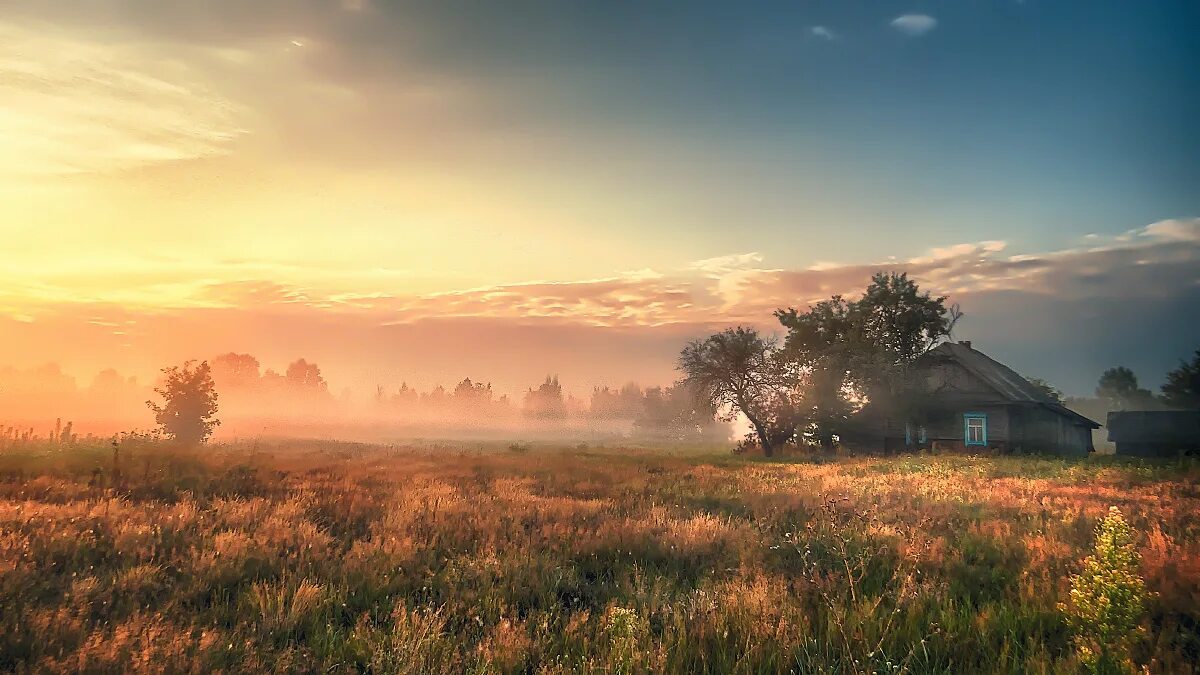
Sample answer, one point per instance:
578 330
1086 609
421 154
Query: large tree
740 371
187 414
822 342
1182 389
899 321
854 351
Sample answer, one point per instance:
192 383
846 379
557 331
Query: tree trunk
764 439
827 441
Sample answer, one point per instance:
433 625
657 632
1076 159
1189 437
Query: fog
297 401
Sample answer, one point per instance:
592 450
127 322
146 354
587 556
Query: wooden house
966 401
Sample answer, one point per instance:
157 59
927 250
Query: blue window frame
922 437
975 428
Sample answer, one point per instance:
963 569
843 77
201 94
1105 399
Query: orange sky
177 182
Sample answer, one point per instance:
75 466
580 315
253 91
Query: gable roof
1003 379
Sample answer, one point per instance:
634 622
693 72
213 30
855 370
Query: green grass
323 557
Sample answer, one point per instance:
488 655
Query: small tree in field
188 412
1108 599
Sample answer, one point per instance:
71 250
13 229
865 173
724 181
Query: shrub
188 412
1108 599
626 631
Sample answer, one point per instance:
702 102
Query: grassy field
311 557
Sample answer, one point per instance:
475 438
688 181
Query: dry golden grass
348 558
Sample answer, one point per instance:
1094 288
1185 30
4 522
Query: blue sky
1042 121
664 168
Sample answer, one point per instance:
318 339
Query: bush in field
626 631
188 412
1108 599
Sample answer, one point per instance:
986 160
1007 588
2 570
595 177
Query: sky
422 191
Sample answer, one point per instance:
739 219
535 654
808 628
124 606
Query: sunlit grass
312 557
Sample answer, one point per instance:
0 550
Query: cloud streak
1154 261
74 104
823 32
914 25
1049 314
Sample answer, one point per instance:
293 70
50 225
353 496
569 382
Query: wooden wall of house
949 425
1045 431
875 433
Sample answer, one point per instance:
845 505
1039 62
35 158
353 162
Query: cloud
726 263
823 32
1064 314
1155 261
1182 230
914 25
75 104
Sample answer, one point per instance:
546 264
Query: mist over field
299 403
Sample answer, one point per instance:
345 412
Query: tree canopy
739 370
850 352
187 414
1119 388
1182 389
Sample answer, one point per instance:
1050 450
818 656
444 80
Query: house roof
1003 379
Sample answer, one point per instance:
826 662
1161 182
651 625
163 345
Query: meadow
330 557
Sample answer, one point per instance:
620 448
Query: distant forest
300 396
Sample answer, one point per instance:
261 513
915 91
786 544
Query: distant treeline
252 397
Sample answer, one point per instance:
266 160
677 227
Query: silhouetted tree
473 393
852 351
1119 387
235 371
546 402
1050 391
616 404
676 413
406 395
304 376
1182 389
188 412
900 321
739 371
824 343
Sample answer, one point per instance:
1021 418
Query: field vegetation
325 557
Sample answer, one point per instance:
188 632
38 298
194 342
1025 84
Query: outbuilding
1155 433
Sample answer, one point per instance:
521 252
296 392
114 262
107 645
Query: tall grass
348 558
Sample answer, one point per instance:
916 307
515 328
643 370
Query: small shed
1155 433
971 402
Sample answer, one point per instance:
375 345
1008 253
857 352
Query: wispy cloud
914 25
1051 310
823 32
1148 262
77 104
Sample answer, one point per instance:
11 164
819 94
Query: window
922 437
975 429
